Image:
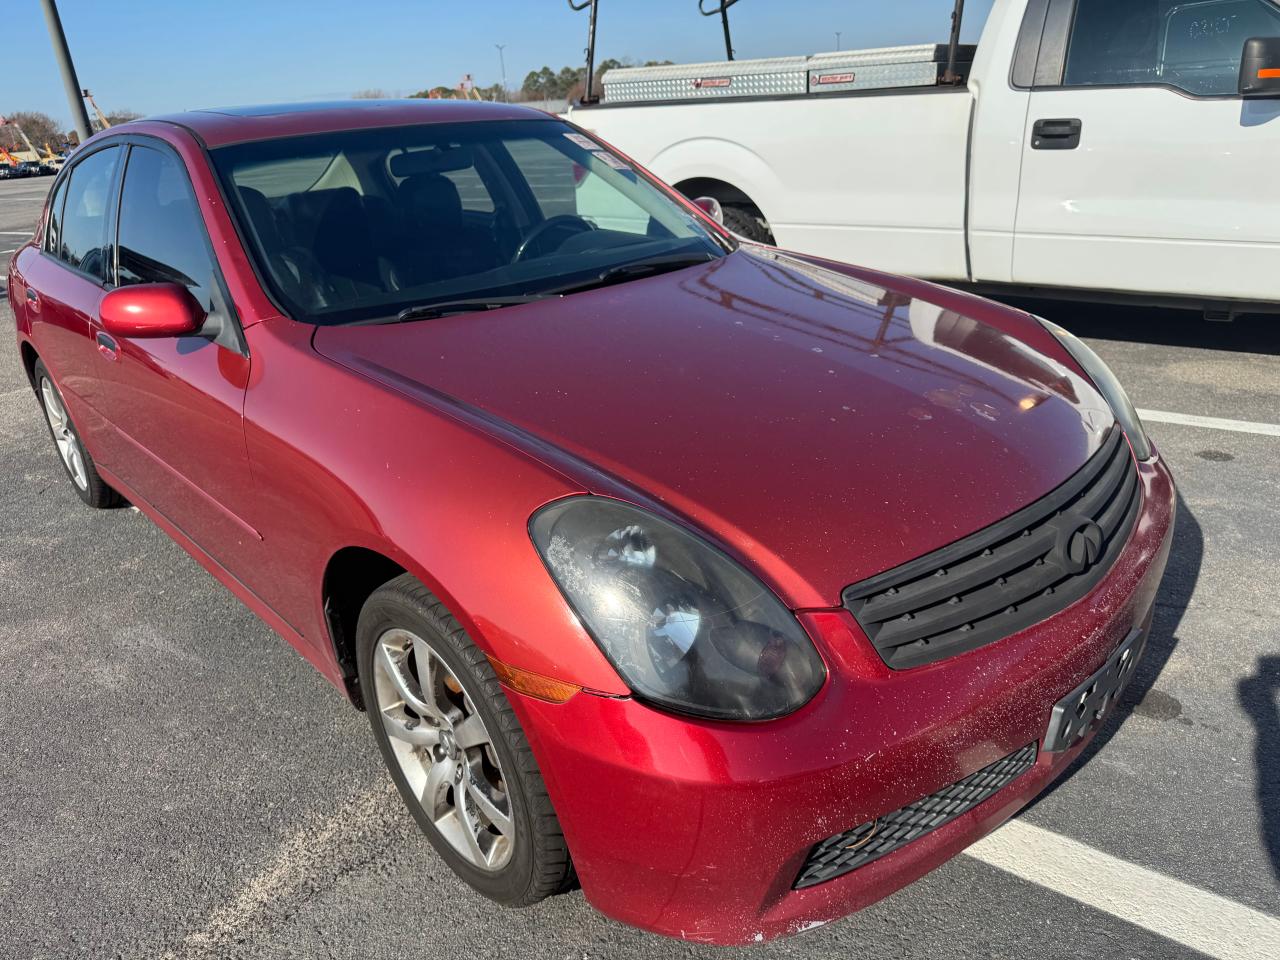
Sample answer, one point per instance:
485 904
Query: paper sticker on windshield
586 143
612 161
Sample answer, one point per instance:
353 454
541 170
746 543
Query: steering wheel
566 223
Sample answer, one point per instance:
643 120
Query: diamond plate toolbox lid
707 81
885 67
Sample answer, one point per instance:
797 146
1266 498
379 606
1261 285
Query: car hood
823 424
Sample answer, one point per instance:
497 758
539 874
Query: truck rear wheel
745 222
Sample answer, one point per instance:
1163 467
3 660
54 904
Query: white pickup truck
1110 149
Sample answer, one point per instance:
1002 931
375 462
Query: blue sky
155 56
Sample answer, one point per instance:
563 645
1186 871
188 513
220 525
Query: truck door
1143 170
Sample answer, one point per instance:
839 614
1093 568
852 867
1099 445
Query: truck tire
746 223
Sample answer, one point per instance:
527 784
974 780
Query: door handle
1055 134
33 298
107 346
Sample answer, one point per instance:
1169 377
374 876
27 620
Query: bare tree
123 116
40 127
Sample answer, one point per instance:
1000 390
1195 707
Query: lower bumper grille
870 841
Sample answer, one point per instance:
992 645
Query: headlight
685 627
1121 406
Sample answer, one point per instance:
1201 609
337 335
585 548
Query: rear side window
162 236
83 241
278 178
1193 46
54 230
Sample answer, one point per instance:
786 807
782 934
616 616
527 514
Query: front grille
870 841
1012 574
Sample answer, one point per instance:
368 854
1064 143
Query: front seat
437 244
294 269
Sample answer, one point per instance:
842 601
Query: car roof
219 127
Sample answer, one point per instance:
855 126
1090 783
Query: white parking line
1213 423
15 233
306 855
1177 911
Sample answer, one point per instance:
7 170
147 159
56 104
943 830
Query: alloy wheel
443 748
65 438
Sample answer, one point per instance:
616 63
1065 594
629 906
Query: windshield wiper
426 311
612 275
640 268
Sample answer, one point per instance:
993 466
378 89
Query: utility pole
502 61
79 115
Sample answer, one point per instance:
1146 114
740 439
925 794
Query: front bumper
699 830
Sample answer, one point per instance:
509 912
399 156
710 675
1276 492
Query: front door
177 402
1143 170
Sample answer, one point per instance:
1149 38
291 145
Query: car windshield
402 222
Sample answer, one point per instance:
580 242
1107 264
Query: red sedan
740 586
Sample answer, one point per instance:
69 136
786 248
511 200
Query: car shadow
1259 695
1247 333
1180 576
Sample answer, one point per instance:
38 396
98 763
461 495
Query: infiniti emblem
1083 548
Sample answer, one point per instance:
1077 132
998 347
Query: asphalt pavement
176 782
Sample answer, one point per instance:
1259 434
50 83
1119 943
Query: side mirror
1260 67
711 207
151 310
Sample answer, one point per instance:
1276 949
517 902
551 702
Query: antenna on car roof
588 95
723 10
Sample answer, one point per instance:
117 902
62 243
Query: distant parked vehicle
1108 149
7 171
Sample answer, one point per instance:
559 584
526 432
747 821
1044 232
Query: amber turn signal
533 684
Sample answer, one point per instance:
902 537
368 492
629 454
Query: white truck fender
717 159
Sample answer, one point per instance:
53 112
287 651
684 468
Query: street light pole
502 61
79 115
837 40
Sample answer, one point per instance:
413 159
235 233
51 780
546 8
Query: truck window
1193 46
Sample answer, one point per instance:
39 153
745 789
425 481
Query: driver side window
1194 46
562 186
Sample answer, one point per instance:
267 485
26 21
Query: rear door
1143 170
177 402
66 282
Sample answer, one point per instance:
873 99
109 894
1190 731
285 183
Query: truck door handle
1055 134
107 346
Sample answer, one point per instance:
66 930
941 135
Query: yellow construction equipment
102 117
35 154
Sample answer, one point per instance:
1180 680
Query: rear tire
77 463
745 222
440 718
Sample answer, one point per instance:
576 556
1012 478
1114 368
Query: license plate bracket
1085 707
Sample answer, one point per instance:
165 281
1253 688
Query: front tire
82 472
454 748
